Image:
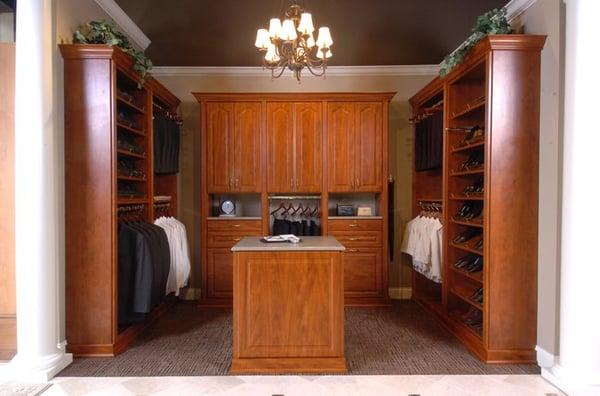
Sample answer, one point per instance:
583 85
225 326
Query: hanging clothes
429 142
179 271
166 144
423 241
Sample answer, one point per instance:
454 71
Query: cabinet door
340 144
362 272
219 146
308 135
369 147
247 169
219 268
280 147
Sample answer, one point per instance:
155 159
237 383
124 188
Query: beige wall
547 17
400 140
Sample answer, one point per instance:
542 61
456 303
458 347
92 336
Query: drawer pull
352 250
352 225
354 239
237 225
237 239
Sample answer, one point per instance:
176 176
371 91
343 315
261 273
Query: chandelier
290 44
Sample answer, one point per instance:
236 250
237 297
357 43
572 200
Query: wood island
288 306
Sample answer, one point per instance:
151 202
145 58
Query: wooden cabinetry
294 149
355 147
234 146
497 88
108 123
295 129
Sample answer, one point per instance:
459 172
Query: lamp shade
262 39
288 31
306 24
328 54
271 55
310 41
324 40
275 28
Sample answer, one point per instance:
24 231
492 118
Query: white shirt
422 240
179 252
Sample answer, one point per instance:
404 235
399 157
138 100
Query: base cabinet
219 265
362 272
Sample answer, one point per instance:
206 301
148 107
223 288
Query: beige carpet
399 340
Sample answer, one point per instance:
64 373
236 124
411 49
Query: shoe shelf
470 172
466 248
474 276
465 295
132 178
467 223
130 105
131 154
466 197
123 127
467 147
456 318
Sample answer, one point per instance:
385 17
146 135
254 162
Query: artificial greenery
102 32
492 22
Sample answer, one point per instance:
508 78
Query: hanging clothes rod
294 197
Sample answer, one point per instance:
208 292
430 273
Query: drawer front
235 225
352 239
218 239
355 225
363 272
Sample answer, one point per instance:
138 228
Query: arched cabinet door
280 147
247 166
368 167
308 137
219 147
341 146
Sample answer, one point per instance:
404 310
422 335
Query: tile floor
401 385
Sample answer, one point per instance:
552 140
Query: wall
400 140
547 17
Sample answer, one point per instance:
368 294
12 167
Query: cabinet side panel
89 200
512 194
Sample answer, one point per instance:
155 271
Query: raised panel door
308 164
280 147
340 146
362 272
219 273
369 147
219 146
247 169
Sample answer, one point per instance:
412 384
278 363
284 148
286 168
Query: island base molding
334 365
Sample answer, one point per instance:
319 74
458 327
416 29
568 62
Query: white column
39 356
578 368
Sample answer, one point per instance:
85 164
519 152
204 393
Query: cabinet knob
237 225
352 250
237 239
353 225
353 239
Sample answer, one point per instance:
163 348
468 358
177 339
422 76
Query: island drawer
355 225
226 239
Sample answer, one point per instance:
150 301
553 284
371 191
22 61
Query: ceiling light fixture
290 44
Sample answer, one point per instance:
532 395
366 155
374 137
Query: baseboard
572 383
190 294
400 293
545 359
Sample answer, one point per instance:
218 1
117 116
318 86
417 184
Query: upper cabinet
294 147
355 146
233 147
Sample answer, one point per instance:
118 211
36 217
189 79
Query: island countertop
309 243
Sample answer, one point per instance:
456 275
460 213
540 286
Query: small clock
227 208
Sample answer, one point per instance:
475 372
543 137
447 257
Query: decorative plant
102 32
491 22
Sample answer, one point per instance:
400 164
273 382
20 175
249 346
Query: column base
41 370
572 383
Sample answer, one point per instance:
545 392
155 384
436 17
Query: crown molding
514 8
257 71
129 27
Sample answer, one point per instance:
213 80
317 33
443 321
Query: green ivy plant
102 32
491 22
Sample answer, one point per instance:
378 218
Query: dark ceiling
365 32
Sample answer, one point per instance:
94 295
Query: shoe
475 265
466 236
477 296
465 261
478 244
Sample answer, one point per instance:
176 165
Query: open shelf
464 295
130 129
457 321
470 107
468 147
467 223
423 199
131 154
477 171
466 198
474 276
132 178
130 105
466 248
131 201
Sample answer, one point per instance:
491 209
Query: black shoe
475 266
466 236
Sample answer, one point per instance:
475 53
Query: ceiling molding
514 8
257 71
124 22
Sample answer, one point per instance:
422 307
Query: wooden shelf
131 130
131 201
467 172
466 249
467 223
475 276
131 105
132 178
130 154
457 321
470 108
464 295
468 147
466 198
430 199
